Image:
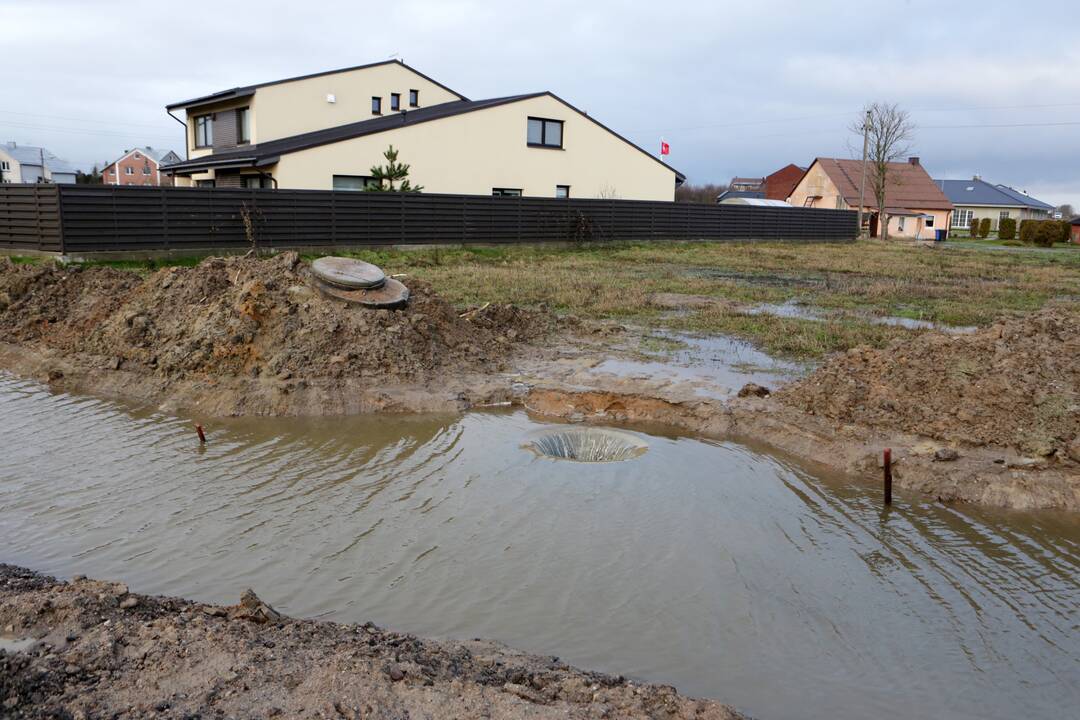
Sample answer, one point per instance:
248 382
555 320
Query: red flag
665 149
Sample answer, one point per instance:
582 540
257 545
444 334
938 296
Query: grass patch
952 285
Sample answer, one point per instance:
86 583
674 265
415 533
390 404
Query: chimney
976 178
913 160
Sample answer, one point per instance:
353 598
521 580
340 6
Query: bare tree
699 193
889 132
1066 211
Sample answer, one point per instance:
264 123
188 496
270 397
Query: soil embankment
251 336
90 649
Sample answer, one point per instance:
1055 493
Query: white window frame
900 224
962 218
129 170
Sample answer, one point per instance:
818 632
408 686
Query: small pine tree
393 172
984 228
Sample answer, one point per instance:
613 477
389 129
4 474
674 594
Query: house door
873 225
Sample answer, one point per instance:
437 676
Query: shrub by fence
77 219
1007 229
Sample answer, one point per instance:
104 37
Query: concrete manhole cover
392 294
348 273
585 444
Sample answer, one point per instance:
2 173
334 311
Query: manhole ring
587 444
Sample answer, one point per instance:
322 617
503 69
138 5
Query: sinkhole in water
717 567
588 445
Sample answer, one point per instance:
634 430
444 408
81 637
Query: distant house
140 166
1075 229
976 199
745 184
915 206
32 164
780 184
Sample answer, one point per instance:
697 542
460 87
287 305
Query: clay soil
1015 384
90 649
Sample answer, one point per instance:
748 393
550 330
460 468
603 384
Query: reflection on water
711 566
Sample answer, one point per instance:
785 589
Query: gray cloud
736 88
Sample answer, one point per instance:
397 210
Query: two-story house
325 131
140 166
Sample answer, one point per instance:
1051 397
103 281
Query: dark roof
740 194
1075 220
249 90
1024 198
980 192
908 185
268 153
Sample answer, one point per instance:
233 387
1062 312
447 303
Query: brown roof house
915 207
780 184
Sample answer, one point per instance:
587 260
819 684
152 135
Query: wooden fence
77 219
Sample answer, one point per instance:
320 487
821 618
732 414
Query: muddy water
712 566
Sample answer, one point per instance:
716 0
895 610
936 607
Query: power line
87 120
77 131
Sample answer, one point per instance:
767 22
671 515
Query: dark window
376 106
506 192
562 191
354 182
545 133
256 181
395 101
243 125
204 183
146 170
414 98
204 131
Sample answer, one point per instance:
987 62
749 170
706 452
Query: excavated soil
87 649
249 318
1015 384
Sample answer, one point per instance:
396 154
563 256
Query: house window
243 125
146 170
929 221
137 156
962 218
5 165
1004 215
204 131
354 182
506 192
204 183
256 181
129 170
562 191
414 98
376 106
395 101
900 224
545 133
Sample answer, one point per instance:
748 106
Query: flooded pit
711 566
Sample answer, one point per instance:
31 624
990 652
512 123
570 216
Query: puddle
794 309
716 366
712 566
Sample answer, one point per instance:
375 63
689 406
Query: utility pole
862 184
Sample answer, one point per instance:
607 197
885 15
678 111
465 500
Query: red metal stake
202 435
887 464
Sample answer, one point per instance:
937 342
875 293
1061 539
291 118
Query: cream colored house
915 207
326 131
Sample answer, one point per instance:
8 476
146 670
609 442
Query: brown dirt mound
1016 384
251 317
102 652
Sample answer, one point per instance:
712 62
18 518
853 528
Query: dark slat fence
75 219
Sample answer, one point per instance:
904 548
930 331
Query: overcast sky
736 88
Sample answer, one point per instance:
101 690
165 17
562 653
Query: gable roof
32 155
908 186
267 153
155 154
980 192
249 90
